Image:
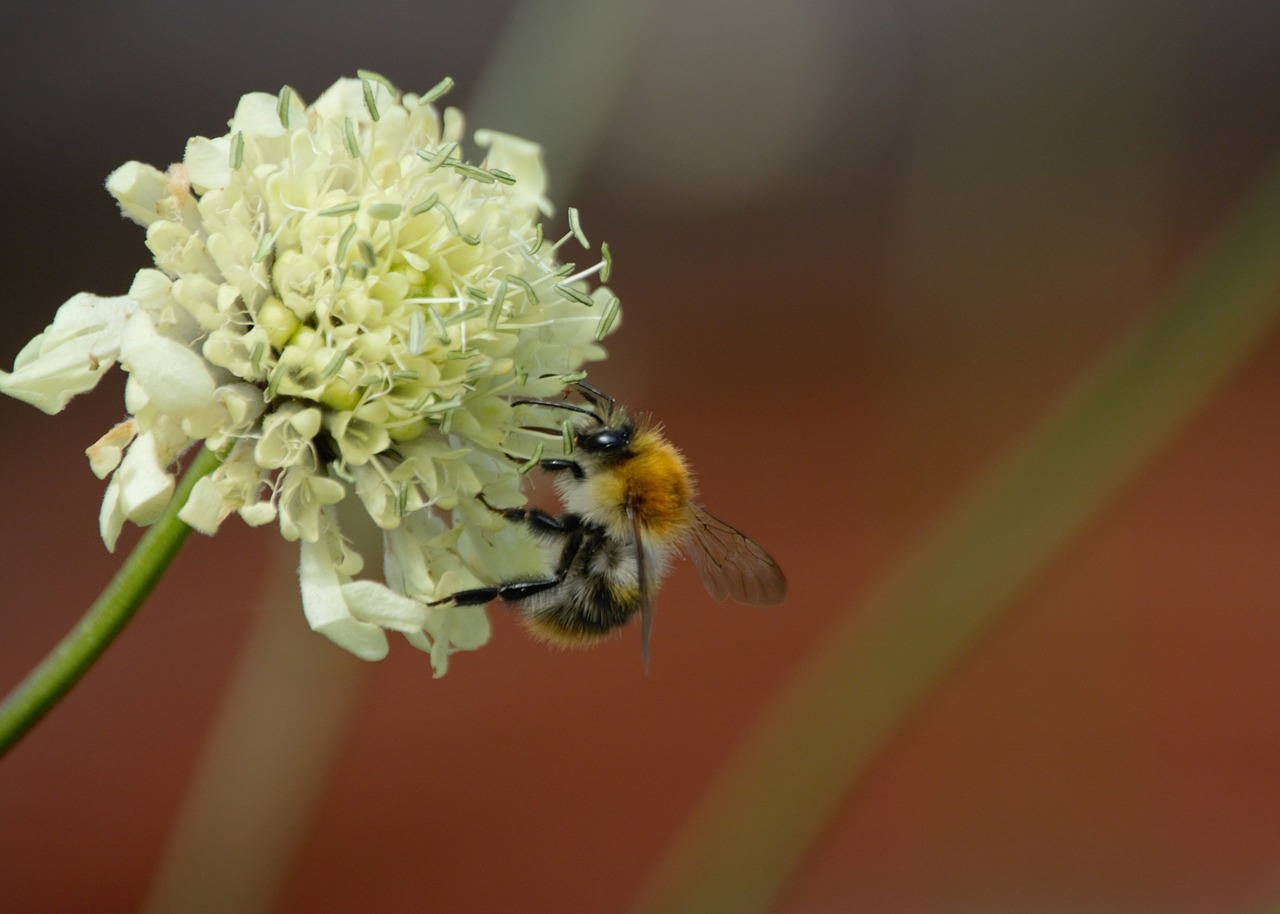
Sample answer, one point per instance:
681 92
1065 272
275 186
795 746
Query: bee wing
731 564
642 585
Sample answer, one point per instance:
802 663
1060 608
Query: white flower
344 308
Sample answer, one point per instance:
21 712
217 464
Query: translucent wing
642 585
731 565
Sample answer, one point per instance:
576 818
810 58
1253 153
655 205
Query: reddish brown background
984 199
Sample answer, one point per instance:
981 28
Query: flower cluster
343 307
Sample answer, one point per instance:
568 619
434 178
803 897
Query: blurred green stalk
818 739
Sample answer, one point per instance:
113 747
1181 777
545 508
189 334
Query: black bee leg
559 465
536 520
515 591
512 593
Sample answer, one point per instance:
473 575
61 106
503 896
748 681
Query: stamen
502 177
474 311
424 205
532 461
282 105
442 332
237 150
607 256
608 317
566 434
537 240
366 252
417 341
334 366
273 382
344 242
385 211
438 158
436 91
495 307
349 138
442 406
576 227
448 218
573 294
377 77
370 102
341 209
265 247
470 171
528 289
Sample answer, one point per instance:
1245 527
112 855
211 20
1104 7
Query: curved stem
115 606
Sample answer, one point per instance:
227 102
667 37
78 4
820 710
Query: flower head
344 308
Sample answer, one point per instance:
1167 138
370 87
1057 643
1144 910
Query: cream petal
105 453
145 485
258 115
208 162
175 379
522 159
377 603
138 188
205 507
326 609
71 354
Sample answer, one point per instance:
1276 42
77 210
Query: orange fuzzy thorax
655 484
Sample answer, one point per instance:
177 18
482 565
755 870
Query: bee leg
554 465
557 465
515 591
536 520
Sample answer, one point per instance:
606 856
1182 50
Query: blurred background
862 248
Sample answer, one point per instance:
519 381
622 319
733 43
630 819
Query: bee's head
606 440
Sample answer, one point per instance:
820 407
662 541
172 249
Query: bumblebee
628 498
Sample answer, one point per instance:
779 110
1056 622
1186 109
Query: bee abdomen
594 613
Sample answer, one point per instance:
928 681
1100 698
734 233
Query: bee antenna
554 404
595 396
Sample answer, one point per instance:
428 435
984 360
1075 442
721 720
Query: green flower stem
820 737
115 606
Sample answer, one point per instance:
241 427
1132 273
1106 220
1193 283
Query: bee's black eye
605 440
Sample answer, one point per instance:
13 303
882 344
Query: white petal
258 116
258 514
145 485
377 603
522 159
208 162
105 453
138 188
110 517
469 628
151 290
175 379
326 609
204 509
345 98
71 354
